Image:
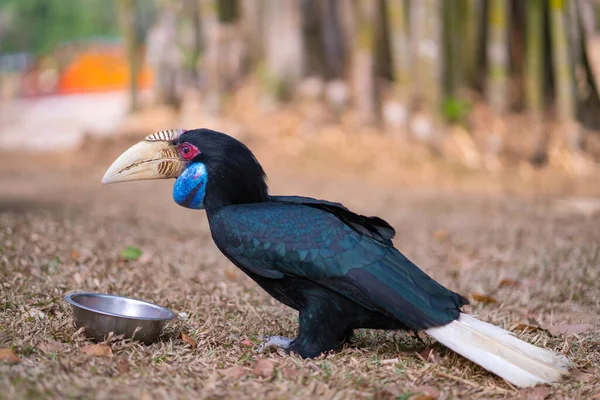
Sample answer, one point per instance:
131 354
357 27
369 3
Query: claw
274 342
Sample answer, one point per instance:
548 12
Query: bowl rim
69 299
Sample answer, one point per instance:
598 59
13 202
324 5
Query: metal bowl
101 314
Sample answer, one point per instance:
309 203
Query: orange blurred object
100 69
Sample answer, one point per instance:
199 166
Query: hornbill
339 269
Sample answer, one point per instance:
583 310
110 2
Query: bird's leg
323 327
274 342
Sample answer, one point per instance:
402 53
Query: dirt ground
525 247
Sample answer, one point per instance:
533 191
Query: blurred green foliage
38 26
130 253
456 110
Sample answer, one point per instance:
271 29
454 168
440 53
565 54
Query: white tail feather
498 351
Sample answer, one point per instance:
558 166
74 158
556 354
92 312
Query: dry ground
61 231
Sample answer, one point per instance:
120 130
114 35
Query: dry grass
60 231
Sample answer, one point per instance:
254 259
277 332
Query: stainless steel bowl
101 314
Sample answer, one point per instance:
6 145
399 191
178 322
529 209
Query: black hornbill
340 270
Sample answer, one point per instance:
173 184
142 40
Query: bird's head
211 169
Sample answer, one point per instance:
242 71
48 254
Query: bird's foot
274 342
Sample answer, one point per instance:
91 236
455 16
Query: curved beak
146 160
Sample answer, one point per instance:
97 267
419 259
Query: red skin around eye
188 151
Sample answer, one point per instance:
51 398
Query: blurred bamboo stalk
563 76
425 28
534 75
534 53
452 48
470 28
284 47
127 20
253 22
497 53
333 38
363 60
312 29
400 50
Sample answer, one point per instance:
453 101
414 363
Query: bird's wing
374 227
275 240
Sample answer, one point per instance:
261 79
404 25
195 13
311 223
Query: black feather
374 227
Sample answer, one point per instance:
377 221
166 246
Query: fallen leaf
189 340
430 354
290 373
508 282
230 274
75 255
569 329
97 350
537 393
525 328
236 372
51 346
424 397
130 253
482 298
8 356
263 368
428 391
123 365
388 392
581 376
440 235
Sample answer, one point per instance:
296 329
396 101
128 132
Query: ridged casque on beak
155 157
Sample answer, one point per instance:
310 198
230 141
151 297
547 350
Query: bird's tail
498 351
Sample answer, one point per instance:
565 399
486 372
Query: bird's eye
188 151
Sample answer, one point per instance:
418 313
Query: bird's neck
219 196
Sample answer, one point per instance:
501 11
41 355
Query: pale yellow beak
149 159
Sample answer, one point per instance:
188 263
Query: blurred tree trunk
253 21
534 57
516 46
363 61
164 55
333 40
223 60
471 14
128 22
192 10
284 48
563 76
497 53
425 25
401 58
452 46
210 60
497 84
573 36
383 53
534 74
312 30
231 44
590 109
